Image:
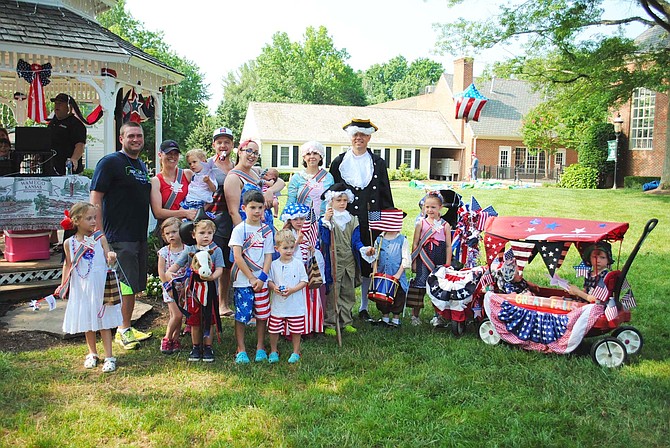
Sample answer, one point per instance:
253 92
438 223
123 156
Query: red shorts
286 325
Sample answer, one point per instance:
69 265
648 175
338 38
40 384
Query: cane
333 269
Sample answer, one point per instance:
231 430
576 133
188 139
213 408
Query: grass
415 387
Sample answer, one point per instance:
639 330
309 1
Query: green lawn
413 387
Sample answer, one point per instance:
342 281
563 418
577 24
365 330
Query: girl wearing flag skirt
295 216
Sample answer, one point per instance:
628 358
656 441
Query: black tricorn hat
338 187
361 123
186 227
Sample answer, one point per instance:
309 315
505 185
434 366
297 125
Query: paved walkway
24 318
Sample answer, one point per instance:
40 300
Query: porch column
159 126
107 95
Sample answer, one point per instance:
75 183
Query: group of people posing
272 277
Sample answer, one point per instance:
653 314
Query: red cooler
24 245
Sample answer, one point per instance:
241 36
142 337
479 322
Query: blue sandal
242 358
293 358
261 355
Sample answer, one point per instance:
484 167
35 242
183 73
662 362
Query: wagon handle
647 230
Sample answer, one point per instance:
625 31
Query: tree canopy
575 54
184 103
397 79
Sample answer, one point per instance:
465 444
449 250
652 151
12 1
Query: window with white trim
378 151
408 158
643 106
559 158
503 157
285 156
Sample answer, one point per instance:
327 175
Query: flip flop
228 315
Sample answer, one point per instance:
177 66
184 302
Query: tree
239 89
184 103
396 79
311 73
569 55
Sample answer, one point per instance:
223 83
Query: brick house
645 121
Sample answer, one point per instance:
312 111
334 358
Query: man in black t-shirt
68 135
120 189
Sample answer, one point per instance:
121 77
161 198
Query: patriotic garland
467 233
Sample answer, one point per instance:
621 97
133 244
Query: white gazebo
89 62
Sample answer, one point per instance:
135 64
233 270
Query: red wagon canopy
541 228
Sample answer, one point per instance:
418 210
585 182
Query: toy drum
383 288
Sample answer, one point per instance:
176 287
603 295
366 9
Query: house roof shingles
397 127
61 28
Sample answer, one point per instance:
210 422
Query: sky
219 36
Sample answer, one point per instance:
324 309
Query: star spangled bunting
469 103
310 228
553 254
385 220
493 245
628 300
582 270
524 253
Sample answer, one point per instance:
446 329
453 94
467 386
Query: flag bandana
386 220
469 103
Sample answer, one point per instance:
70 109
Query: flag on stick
386 220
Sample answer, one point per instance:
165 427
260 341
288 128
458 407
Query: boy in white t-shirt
252 245
287 282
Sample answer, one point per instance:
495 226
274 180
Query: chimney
463 69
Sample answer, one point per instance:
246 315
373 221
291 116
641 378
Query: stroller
551 320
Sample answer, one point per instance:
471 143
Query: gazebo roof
75 46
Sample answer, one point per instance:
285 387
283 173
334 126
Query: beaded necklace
88 256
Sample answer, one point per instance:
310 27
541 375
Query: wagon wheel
457 328
631 338
488 333
609 352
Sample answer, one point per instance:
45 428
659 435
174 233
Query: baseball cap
168 146
61 97
221 132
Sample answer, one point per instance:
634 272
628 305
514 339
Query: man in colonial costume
365 174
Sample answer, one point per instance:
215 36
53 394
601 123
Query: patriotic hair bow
66 223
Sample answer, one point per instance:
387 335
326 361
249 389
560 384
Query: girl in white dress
84 272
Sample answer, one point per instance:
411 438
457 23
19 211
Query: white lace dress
85 311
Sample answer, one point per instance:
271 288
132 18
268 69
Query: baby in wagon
509 278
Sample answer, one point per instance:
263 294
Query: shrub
88 172
404 173
593 150
153 243
579 176
636 182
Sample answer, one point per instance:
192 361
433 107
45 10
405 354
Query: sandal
242 358
109 365
91 361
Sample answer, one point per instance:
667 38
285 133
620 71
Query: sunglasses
251 152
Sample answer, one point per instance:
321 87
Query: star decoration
176 187
552 226
535 221
530 229
579 230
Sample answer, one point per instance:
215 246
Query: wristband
263 277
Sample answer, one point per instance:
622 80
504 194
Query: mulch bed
23 341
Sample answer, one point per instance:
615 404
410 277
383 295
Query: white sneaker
415 321
438 322
109 365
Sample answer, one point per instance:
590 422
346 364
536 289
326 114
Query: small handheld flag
386 220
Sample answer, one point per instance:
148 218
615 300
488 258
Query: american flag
310 228
628 300
582 270
600 292
611 313
485 280
470 103
386 220
490 210
474 205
